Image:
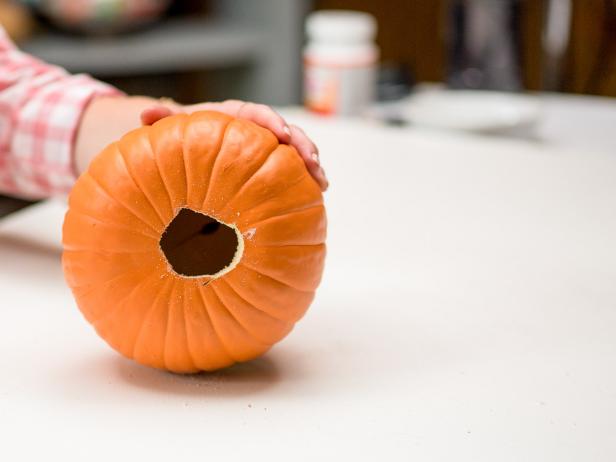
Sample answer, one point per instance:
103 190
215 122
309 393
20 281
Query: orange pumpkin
195 243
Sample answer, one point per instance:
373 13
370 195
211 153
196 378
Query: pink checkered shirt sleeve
40 110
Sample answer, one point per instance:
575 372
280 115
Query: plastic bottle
340 62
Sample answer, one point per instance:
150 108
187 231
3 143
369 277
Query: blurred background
487 66
213 49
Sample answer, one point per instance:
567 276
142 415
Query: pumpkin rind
229 169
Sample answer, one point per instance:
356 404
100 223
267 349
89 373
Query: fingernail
287 130
315 157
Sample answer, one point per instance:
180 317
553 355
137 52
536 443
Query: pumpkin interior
197 245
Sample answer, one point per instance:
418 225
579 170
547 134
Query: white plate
474 111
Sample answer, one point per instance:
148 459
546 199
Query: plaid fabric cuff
44 135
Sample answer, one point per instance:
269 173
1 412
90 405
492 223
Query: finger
153 114
265 116
322 179
309 154
304 145
260 114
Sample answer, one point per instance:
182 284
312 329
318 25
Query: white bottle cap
340 26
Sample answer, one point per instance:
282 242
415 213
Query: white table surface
468 313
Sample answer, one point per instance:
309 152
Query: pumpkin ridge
178 287
237 318
283 246
211 172
147 317
165 342
94 250
300 208
237 321
259 225
161 141
81 286
273 217
148 130
138 186
211 359
284 321
217 150
237 193
183 138
209 316
263 200
110 263
123 300
187 336
275 280
117 201
160 173
95 202
183 131
293 319
262 273
112 224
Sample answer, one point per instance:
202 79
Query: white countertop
468 313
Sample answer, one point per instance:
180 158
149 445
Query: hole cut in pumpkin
197 245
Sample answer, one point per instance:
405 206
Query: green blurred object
100 16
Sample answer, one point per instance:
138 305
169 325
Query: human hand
260 114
